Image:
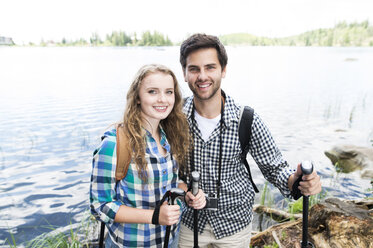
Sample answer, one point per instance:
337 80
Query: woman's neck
153 128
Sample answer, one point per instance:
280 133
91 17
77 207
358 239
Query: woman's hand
169 214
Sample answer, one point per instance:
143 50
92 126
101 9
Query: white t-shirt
206 125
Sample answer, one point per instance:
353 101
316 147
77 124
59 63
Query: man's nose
202 76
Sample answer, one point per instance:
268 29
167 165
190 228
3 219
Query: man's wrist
292 179
295 191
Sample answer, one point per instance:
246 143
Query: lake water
56 102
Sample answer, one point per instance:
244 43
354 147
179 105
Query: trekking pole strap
166 196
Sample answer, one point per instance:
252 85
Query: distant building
5 41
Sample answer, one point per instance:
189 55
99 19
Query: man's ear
223 72
184 74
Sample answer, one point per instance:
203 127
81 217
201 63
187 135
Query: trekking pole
307 168
172 194
195 181
101 236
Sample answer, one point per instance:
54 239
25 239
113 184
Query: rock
350 158
332 224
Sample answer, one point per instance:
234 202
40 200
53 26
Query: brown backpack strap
124 155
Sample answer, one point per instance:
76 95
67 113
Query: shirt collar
163 140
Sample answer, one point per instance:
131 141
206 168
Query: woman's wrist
155 216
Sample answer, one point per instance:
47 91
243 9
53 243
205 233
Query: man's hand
310 184
196 201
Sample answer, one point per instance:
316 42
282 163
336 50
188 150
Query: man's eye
193 69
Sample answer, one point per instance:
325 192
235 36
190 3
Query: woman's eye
170 92
152 92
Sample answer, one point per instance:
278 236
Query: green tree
95 39
330 40
135 40
365 24
346 39
154 39
79 42
307 41
43 43
118 39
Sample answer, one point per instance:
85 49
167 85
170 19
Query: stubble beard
216 87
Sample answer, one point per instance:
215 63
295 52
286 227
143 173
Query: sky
33 20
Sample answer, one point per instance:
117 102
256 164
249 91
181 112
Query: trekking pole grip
307 168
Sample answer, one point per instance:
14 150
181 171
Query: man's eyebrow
193 66
212 64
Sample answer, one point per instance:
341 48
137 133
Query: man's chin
205 95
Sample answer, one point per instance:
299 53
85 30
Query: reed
76 236
351 117
295 207
266 198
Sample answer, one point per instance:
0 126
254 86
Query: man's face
203 73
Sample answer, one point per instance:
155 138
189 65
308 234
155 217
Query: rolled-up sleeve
268 157
103 203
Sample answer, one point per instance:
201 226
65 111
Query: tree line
116 38
342 34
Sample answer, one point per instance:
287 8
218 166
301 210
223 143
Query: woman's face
157 97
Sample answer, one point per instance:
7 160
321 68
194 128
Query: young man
213 118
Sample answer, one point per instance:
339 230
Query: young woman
157 131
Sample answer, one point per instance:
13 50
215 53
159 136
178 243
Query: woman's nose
161 97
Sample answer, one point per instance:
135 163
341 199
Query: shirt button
164 172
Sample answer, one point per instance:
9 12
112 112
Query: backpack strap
124 155
244 132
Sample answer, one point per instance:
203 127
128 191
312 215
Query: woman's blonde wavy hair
175 125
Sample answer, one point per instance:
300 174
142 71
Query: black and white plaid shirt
236 193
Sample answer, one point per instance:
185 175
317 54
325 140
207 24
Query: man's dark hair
198 41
